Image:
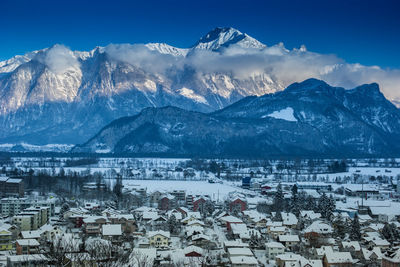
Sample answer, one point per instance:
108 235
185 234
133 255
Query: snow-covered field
215 191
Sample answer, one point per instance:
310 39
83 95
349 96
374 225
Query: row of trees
301 201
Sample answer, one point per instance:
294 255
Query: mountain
56 95
310 118
224 37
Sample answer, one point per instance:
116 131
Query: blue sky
367 32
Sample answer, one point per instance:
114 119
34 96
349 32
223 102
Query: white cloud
287 66
140 56
58 59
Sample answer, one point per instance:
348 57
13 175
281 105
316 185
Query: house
318 233
201 240
289 240
26 246
159 239
229 220
273 249
319 228
353 247
6 238
237 229
195 223
276 231
380 243
289 219
285 259
303 262
127 222
338 259
49 231
310 215
31 235
374 255
238 204
166 202
391 258
193 251
93 224
234 244
183 210
198 203
112 232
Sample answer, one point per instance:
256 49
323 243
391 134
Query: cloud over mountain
56 95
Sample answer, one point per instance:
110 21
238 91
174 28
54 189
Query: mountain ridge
259 126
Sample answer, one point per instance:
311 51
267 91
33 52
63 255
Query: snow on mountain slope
283 114
167 49
223 37
56 95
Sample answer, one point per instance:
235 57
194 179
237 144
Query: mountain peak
308 84
225 36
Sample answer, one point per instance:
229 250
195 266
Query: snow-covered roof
231 219
351 244
240 252
274 244
243 260
27 258
193 222
289 218
196 249
31 234
323 250
310 214
149 215
235 243
112 230
277 229
289 238
28 242
319 227
238 228
288 257
338 257
160 232
368 253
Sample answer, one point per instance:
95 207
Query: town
192 212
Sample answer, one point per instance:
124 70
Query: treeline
81 162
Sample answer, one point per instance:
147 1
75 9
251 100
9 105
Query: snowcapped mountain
310 118
56 95
224 37
59 96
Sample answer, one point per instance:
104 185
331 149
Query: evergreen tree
339 227
390 232
279 199
355 233
294 203
323 205
311 204
278 217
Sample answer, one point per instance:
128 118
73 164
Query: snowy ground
215 191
